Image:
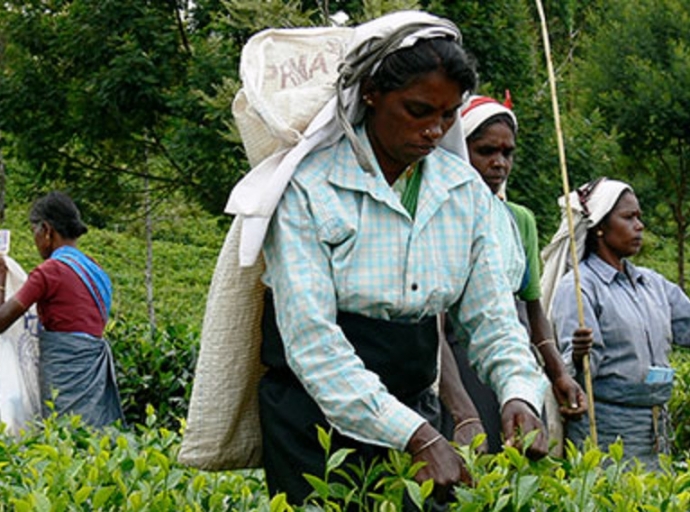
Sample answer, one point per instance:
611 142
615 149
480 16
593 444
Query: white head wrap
589 205
256 196
478 109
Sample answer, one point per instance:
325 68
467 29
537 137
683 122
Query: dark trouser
404 355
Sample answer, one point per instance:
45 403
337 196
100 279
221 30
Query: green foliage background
119 100
113 100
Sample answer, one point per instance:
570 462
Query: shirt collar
347 173
608 274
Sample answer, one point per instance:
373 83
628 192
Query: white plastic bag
20 399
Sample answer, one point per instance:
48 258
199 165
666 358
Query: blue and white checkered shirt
341 240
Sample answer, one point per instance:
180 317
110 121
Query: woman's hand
443 465
582 344
570 396
465 432
519 419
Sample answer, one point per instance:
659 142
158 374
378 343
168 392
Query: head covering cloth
589 204
479 109
256 196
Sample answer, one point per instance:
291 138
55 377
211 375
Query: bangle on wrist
544 342
466 422
426 445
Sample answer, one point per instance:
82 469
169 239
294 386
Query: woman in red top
72 294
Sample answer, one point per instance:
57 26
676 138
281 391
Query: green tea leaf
337 459
102 496
82 494
427 488
415 492
41 502
526 488
319 485
22 506
279 503
324 438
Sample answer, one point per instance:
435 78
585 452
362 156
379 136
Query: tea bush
678 409
62 466
155 369
509 481
185 247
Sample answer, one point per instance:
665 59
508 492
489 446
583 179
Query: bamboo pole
569 214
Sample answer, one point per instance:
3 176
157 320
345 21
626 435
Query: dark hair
400 68
591 239
497 118
58 210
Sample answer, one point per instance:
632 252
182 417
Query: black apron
404 355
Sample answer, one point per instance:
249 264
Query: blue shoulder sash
92 275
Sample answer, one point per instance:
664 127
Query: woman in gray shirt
635 315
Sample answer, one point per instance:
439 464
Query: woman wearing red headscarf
490 130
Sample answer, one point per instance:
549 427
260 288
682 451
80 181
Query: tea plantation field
63 466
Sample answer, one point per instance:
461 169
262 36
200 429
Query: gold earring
600 233
367 100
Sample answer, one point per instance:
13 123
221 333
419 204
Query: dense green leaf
337 459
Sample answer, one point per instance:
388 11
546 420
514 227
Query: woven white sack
223 420
287 75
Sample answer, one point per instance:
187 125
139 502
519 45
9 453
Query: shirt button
414 287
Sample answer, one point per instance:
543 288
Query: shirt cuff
532 391
393 428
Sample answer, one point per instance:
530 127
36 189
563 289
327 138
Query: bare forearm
543 340
451 389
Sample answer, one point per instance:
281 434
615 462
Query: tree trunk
681 230
681 218
3 181
149 259
681 254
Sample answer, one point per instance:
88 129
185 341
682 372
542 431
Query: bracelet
466 422
426 445
545 342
